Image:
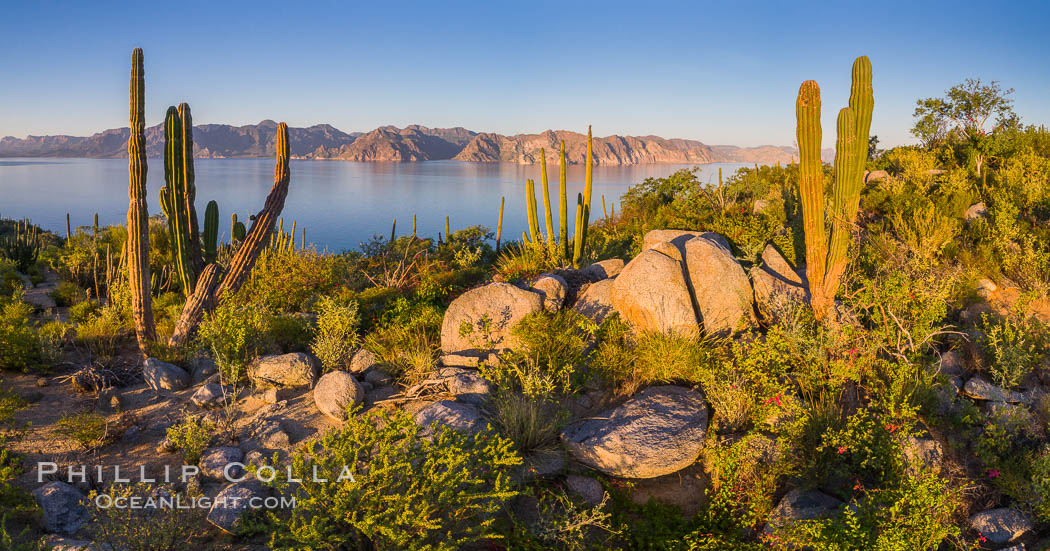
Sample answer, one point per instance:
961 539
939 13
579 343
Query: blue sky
720 72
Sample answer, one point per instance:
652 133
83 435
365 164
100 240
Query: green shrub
410 354
83 311
533 425
103 333
68 294
1013 348
550 357
191 437
89 430
234 333
160 528
291 332
563 524
336 337
399 490
22 346
525 259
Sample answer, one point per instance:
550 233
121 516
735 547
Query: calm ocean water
340 203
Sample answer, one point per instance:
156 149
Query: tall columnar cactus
138 216
174 201
211 232
563 207
499 223
210 288
69 235
530 209
584 204
826 263
546 199
577 240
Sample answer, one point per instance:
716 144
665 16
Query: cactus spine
211 232
826 263
138 215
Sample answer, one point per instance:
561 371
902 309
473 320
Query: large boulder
164 376
1001 526
214 462
876 175
491 312
659 431
596 301
651 294
552 288
335 392
297 369
233 501
62 507
778 287
722 291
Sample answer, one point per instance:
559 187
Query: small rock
56 543
269 433
460 360
981 389
552 288
760 206
1001 526
274 395
801 505
232 502
378 377
876 175
978 210
604 269
296 369
164 376
337 391
208 396
42 381
589 489
659 431
214 461
363 360
952 364
62 507
455 415
468 386
110 400
203 368
922 453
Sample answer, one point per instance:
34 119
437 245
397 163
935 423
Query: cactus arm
811 189
211 232
587 182
138 216
393 231
577 240
189 189
530 211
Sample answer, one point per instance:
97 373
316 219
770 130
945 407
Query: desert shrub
68 293
291 332
550 356
1013 347
162 526
525 259
398 489
562 524
925 230
234 333
22 346
83 311
912 165
468 247
102 333
17 507
867 449
336 337
191 437
408 354
289 281
89 430
916 513
1040 466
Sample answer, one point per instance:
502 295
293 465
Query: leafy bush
531 424
191 437
1013 347
398 490
234 333
550 356
562 524
337 336
103 333
83 311
22 346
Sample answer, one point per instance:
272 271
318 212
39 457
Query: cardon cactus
563 206
237 229
584 204
138 216
826 263
174 201
530 208
212 288
548 219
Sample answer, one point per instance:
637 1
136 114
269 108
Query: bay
341 204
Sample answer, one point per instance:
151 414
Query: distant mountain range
413 143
